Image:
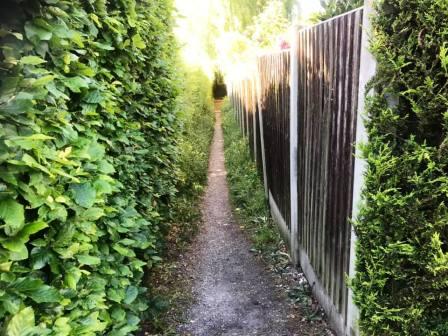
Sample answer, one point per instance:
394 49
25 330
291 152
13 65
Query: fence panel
275 99
328 62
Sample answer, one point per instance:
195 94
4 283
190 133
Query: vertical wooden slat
275 98
307 144
331 99
348 159
313 140
339 196
318 186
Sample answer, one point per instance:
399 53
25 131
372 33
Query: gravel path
235 294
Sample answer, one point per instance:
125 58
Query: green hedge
333 8
401 285
246 187
196 116
87 124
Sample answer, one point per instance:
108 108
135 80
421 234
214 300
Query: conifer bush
332 8
87 148
219 86
401 285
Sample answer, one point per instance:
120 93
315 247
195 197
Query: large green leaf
45 294
72 277
131 294
16 107
88 260
28 142
75 84
33 228
138 42
28 160
84 194
25 285
14 244
13 214
32 60
91 325
12 304
20 252
92 214
21 324
124 251
36 290
62 326
34 32
43 81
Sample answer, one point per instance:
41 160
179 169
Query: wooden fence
300 112
274 106
327 111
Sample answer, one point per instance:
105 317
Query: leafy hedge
246 187
87 120
401 285
219 86
333 8
196 118
197 123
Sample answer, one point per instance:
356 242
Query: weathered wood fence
299 110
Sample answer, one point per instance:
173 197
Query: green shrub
219 86
195 110
87 145
246 187
401 284
197 119
333 8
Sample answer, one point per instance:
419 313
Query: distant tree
336 7
270 24
240 13
219 86
289 5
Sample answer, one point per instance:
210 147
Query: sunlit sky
309 6
194 19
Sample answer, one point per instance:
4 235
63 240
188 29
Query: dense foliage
195 114
86 161
246 186
197 119
219 88
240 13
262 21
401 285
336 7
268 27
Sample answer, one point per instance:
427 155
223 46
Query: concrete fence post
254 117
366 72
260 121
293 138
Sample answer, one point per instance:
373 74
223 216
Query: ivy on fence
86 161
401 284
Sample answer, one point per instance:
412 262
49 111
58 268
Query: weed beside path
252 213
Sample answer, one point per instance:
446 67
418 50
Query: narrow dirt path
235 294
